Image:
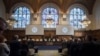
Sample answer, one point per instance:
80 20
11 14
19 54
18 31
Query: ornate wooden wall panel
94 33
47 33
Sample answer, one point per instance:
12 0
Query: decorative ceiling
62 4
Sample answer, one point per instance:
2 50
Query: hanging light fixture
49 18
85 21
11 21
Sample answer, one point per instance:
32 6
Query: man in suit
15 46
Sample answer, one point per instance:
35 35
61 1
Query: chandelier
49 20
85 21
11 21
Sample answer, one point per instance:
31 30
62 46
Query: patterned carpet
48 53
48 47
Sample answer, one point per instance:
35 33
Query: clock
34 29
64 30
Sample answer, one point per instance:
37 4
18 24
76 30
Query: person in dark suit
90 48
24 48
31 43
15 46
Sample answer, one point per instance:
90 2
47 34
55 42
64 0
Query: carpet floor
48 53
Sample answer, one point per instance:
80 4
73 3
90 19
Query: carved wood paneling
94 33
47 33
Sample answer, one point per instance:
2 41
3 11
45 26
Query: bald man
3 25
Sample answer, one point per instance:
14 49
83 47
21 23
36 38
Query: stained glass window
50 17
22 15
76 16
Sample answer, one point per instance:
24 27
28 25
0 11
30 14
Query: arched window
22 15
76 15
50 17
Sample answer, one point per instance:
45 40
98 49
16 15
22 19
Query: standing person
4 50
3 26
24 48
31 43
15 46
31 47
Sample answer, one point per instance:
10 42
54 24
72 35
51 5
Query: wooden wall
10 33
94 33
